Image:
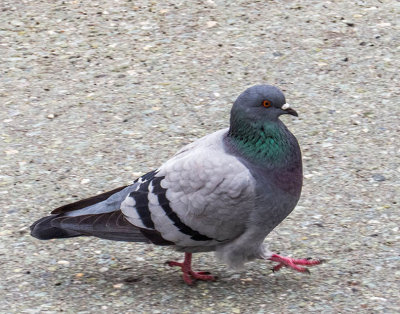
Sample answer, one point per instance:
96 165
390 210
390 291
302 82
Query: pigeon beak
287 110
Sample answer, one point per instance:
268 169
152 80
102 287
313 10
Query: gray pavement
95 93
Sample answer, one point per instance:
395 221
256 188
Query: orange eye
266 103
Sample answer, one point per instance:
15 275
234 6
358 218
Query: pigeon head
262 102
256 130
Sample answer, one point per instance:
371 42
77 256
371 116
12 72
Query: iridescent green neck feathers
263 141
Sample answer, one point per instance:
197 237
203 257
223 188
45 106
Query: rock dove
224 192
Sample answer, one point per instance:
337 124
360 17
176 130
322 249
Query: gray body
218 193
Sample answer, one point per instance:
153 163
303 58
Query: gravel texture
95 93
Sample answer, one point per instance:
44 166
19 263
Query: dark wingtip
86 202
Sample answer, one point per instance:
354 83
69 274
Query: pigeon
224 192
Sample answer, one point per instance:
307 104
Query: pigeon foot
188 273
293 263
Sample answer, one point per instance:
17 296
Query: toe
202 276
173 263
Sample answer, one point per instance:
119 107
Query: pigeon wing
200 198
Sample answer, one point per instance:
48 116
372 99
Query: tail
98 216
110 226
43 230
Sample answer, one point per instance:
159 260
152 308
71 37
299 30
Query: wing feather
199 198
209 190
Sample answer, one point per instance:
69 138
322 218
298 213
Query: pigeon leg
188 273
293 263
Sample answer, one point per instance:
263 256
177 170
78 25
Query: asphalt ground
96 93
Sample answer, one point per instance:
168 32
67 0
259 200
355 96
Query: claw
204 273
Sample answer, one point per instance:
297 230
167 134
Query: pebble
378 177
85 181
211 24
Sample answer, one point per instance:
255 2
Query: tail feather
43 230
112 226
98 216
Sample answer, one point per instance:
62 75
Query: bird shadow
132 280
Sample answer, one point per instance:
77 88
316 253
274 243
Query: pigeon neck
262 141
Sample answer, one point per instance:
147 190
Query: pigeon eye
266 103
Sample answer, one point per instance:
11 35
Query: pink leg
293 263
188 273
